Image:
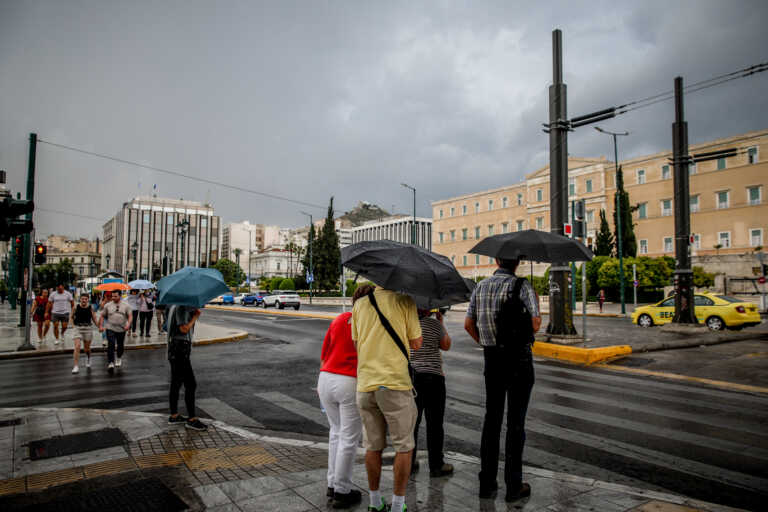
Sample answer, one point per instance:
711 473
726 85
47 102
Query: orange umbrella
110 287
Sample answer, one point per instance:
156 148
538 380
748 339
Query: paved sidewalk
48 461
11 337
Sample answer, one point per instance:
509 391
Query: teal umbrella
191 286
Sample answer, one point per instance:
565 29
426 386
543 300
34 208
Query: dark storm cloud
309 100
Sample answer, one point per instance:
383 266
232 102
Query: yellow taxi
715 311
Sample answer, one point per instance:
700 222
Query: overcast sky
317 98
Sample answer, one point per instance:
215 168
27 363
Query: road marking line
222 411
240 309
686 378
298 407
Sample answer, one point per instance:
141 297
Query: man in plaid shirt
508 377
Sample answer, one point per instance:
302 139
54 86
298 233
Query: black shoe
523 492
177 420
444 470
414 467
488 491
196 425
340 500
329 492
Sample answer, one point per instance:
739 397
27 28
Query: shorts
60 317
387 409
85 333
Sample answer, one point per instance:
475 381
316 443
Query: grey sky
313 99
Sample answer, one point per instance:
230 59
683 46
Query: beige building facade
729 212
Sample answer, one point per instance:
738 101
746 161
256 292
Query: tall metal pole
413 226
561 315
311 268
26 239
27 345
684 306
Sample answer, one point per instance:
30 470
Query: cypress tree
604 240
328 255
628 240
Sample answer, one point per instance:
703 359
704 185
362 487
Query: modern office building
149 231
397 228
729 213
238 238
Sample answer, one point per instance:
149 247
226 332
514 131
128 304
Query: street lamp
134 250
182 226
311 269
617 199
413 228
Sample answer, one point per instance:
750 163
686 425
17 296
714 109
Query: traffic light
10 224
579 224
18 248
40 252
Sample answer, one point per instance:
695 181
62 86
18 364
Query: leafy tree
702 279
350 288
287 284
300 281
593 267
628 240
231 271
327 255
274 283
310 250
604 241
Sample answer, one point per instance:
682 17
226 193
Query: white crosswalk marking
224 412
312 413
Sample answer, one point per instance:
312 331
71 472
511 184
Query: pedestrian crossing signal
40 254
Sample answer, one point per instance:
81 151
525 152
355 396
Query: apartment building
729 214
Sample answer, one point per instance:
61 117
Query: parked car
280 299
227 298
714 310
239 298
254 299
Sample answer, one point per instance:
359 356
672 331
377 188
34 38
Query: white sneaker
75 369
56 342
111 367
88 363
119 362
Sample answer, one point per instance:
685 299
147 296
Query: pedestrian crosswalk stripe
312 413
85 384
226 413
106 398
103 393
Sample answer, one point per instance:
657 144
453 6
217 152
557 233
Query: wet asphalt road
691 439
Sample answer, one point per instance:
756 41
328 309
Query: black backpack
514 327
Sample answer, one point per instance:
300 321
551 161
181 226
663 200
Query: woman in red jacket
337 387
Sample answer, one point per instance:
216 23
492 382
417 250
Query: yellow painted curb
686 378
277 312
227 339
579 355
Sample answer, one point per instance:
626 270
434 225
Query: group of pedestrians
382 373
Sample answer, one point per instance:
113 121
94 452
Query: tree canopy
604 239
628 240
231 271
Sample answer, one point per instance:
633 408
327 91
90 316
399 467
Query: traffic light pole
27 345
26 249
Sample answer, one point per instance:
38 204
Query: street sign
761 279
636 283
310 278
567 229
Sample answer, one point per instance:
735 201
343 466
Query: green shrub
287 284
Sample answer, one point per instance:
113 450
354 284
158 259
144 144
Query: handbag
393 334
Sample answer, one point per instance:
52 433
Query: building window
697 241
720 164
640 176
440 235
453 259
590 216
753 195
539 195
668 244
504 227
504 202
453 211
519 225
453 235
490 204
666 207
755 237
589 186
691 168
464 260
477 232
477 207
146 218
539 222
665 173
643 246
519 199
441 213
724 239
464 233
722 199
642 211
477 259
694 203
278 265
752 155
490 229
572 187
491 261
464 209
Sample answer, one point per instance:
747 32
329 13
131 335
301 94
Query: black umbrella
405 268
533 245
432 303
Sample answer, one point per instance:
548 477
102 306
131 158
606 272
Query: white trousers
338 395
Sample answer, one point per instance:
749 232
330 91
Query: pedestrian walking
336 386
429 381
60 304
117 316
160 314
3 292
146 310
385 399
502 317
601 299
84 319
106 297
133 302
40 315
181 325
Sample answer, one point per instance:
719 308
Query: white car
280 299
239 298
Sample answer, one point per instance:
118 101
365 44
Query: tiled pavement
230 469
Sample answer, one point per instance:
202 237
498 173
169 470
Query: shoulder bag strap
388 327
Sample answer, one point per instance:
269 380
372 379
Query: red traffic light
40 249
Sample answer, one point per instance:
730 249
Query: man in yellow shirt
384 388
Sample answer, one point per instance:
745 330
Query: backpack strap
388 327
